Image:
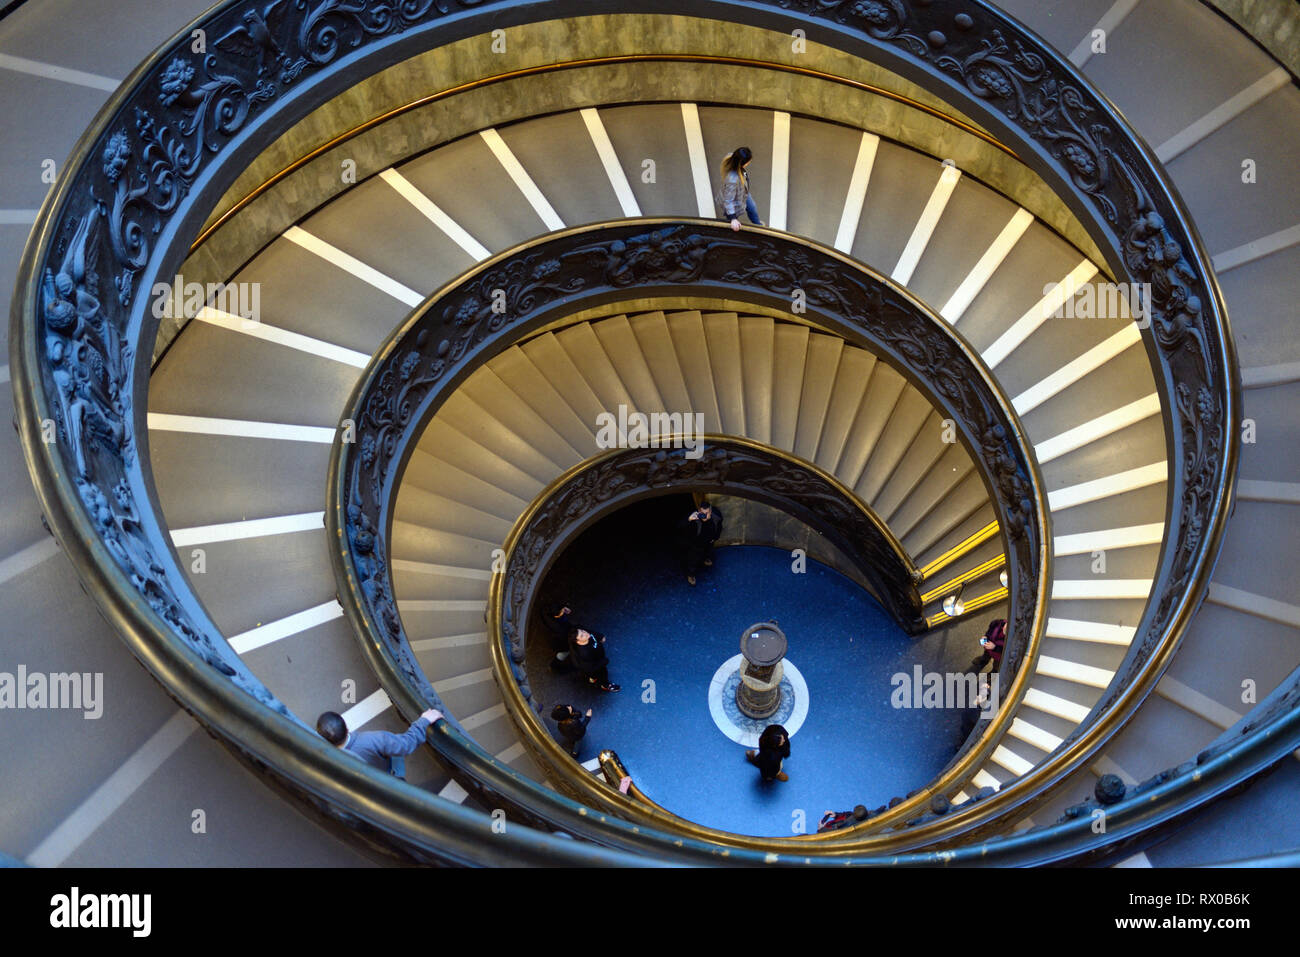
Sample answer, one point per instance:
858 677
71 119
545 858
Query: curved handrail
537 283
173 137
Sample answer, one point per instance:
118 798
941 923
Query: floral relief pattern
115 209
472 321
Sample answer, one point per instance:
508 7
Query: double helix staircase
242 417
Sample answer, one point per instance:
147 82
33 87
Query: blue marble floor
666 640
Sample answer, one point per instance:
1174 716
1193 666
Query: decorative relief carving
169 130
462 325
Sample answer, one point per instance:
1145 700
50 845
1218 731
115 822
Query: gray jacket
376 748
733 194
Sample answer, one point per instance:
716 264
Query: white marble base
748 736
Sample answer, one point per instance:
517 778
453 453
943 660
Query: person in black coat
773 748
587 652
697 533
573 725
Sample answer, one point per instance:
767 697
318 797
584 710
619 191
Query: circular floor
666 643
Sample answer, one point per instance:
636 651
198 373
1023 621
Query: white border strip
27 558
1097 428
1090 631
776 216
466 680
283 337
925 225
1111 19
1256 249
286 627
1128 537
609 159
105 800
1051 704
434 213
699 161
1222 114
1073 371
988 264
1039 313
438 604
367 709
510 163
61 73
1253 604
1253 490
451 641
1189 699
1117 484
1262 376
1073 671
250 528
350 264
447 571
856 197
1087 588
240 428
18 217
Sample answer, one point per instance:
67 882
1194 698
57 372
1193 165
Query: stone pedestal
763 646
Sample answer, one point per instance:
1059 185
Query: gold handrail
958 550
975 604
979 571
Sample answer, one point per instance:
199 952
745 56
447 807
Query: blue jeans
751 208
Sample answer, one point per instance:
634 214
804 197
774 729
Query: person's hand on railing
433 714
735 227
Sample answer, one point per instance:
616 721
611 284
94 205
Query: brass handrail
958 550
979 571
975 604
967 763
1127 201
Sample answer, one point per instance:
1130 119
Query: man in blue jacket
376 748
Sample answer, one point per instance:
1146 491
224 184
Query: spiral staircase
242 418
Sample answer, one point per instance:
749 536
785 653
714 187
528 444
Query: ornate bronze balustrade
534 285
172 139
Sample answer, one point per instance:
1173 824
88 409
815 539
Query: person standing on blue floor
697 533
733 195
573 725
587 652
377 748
773 748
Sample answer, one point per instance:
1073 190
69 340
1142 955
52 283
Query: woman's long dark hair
736 160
